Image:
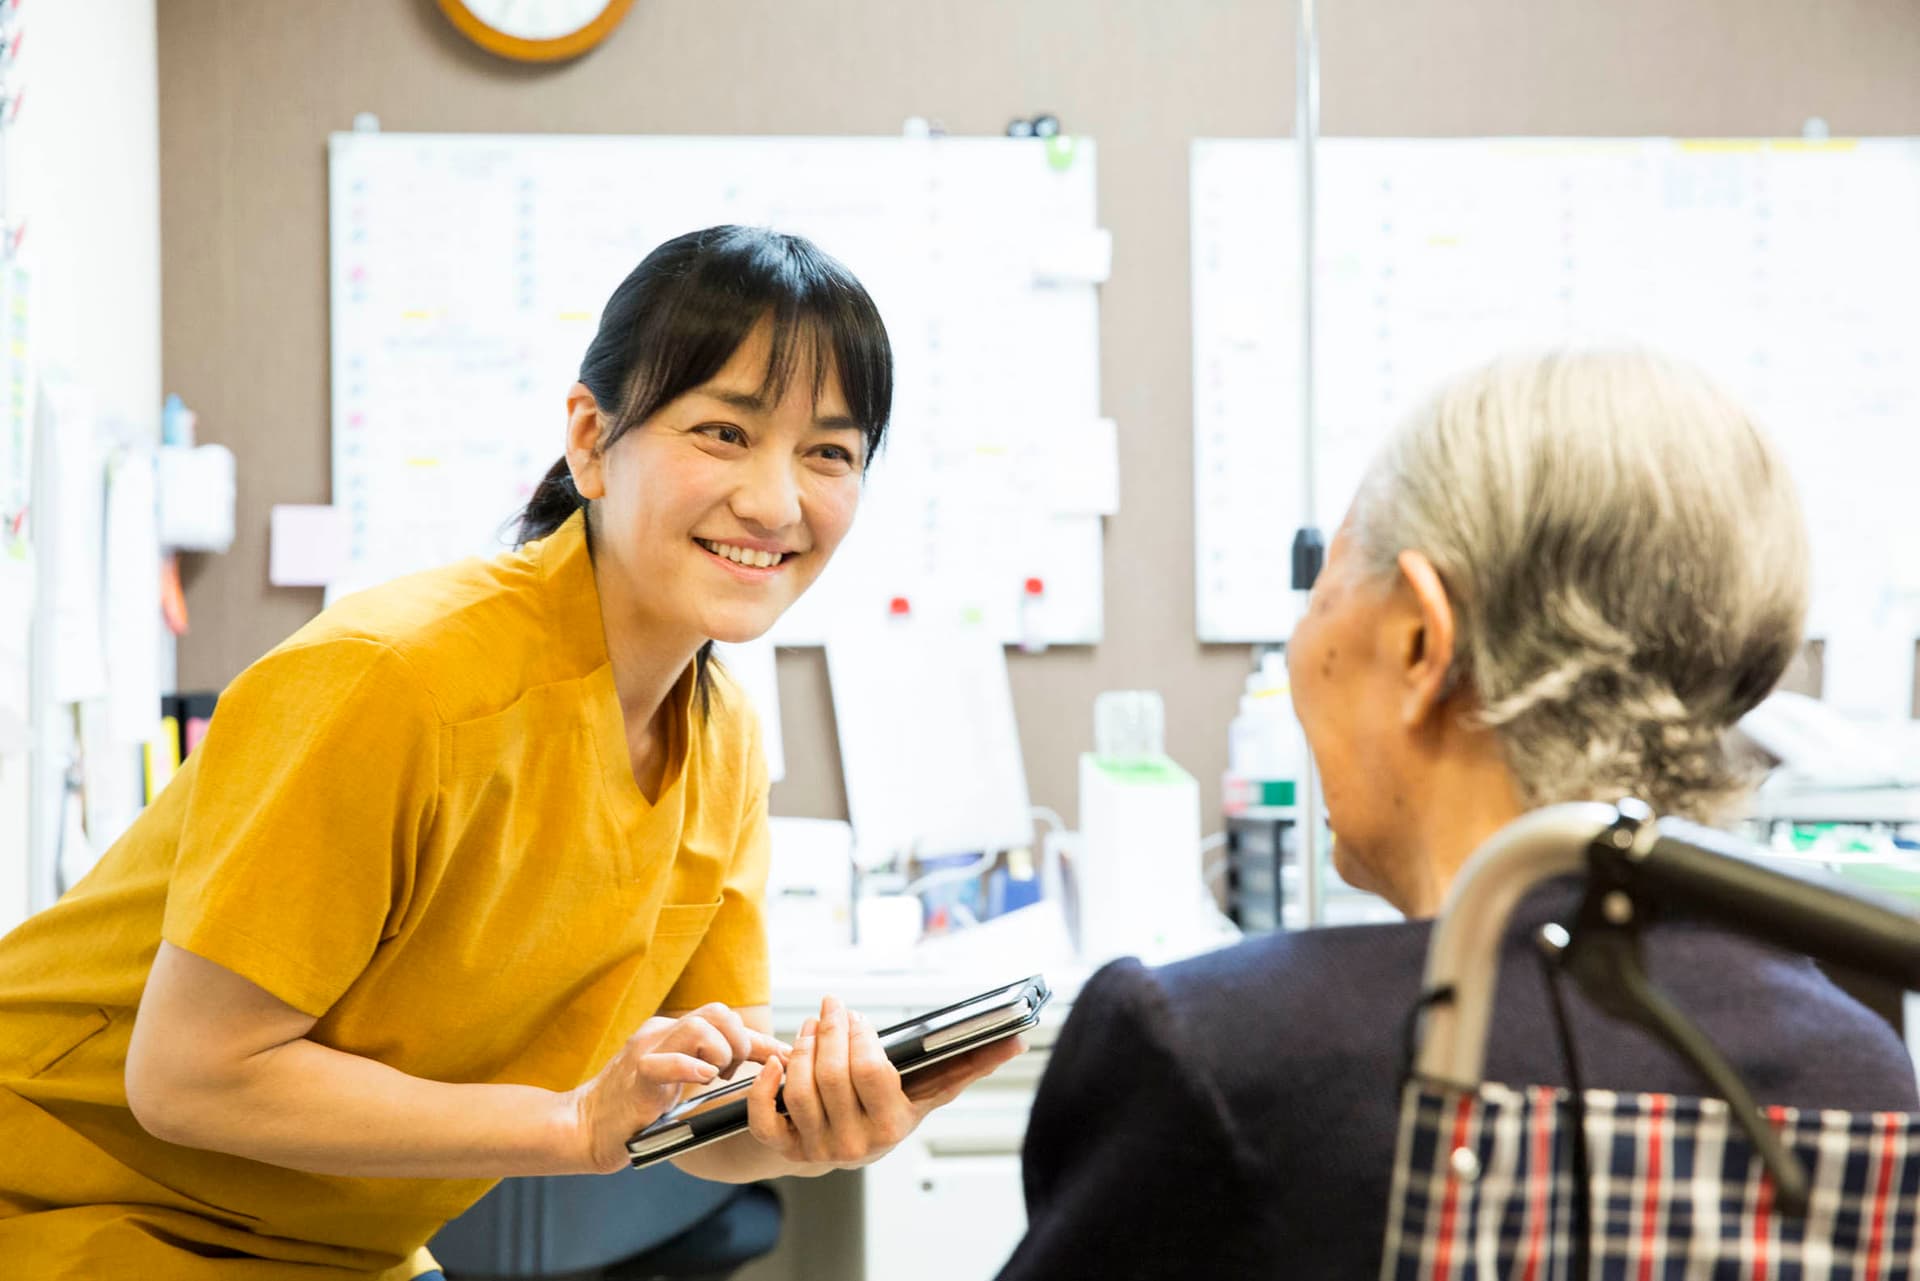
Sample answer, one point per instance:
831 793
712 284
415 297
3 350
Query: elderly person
1564 579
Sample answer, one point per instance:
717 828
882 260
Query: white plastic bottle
1266 755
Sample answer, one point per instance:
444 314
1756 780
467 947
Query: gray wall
249 90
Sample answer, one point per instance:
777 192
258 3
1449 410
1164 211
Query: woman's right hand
649 1074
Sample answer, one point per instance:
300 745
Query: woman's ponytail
554 499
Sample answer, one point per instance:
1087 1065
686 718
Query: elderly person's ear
1427 647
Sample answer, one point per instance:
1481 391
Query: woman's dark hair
680 316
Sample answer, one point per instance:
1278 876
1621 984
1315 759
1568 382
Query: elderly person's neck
1458 793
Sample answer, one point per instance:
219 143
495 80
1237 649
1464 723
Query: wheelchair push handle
1672 864
1710 874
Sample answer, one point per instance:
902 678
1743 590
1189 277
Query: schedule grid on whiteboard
467 277
1788 270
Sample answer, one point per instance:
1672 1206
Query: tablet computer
917 1043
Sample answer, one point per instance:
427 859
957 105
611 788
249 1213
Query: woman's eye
726 433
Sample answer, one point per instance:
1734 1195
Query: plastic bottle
176 423
1266 755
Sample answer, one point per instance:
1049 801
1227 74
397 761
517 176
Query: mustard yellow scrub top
417 821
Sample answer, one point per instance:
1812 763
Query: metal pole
1306 134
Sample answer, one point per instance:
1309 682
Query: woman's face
725 505
1348 691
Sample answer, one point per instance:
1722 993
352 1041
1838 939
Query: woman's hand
649 1073
845 1102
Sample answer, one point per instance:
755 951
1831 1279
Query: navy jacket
1234 1115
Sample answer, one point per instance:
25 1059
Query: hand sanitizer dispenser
1137 875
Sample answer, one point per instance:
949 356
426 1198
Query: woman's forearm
309 1107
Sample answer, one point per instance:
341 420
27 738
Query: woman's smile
754 564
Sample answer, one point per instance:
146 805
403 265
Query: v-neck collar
573 606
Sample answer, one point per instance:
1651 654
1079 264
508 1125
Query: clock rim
557 49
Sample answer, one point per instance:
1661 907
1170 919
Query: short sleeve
312 792
730 965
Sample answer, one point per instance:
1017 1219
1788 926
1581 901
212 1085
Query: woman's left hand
845 1102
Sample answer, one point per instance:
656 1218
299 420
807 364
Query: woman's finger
694 1035
876 1082
802 1097
651 1031
669 1068
956 1074
762 1046
727 1021
764 1120
833 1079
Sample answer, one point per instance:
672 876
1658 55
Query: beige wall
250 88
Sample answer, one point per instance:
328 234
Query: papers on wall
752 664
1867 659
114 786
307 546
16 412
1788 270
196 497
16 607
456 335
15 793
131 605
927 739
71 525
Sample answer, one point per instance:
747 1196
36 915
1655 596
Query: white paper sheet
308 547
15 789
132 599
1866 662
16 620
928 744
71 528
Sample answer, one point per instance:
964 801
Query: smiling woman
763 374
466 878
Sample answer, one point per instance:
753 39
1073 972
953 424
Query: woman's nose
769 495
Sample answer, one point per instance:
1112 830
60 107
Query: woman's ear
585 430
1429 657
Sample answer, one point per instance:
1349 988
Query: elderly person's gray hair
1626 559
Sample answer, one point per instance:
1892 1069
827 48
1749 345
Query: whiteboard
467 277
1789 270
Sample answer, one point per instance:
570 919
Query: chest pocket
70 1033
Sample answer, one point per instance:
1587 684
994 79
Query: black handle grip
1711 874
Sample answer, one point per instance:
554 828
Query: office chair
636 1225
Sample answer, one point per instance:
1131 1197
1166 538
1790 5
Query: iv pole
1308 548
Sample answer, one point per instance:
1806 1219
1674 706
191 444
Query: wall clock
536 30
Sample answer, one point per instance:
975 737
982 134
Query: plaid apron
1483 1189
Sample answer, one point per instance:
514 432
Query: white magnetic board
468 273
1789 270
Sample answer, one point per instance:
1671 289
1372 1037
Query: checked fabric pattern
1483 1189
